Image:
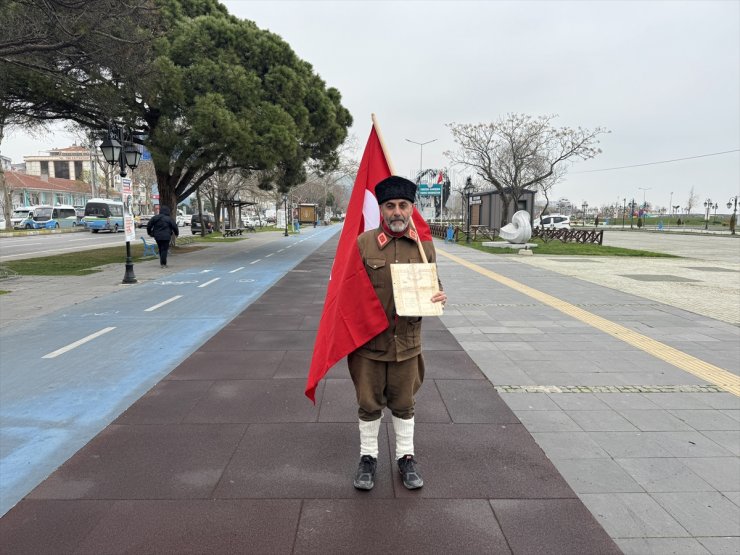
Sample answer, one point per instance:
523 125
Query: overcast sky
664 77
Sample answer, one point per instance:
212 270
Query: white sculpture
519 230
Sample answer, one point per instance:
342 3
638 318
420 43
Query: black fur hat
395 187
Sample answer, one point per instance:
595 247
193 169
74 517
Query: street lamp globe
111 150
133 156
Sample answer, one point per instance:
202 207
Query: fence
569 235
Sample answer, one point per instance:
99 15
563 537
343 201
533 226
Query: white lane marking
255 261
289 246
206 284
234 271
205 271
281 250
78 343
156 306
269 255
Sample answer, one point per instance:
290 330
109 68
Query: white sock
404 430
369 437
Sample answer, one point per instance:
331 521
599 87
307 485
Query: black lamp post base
128 276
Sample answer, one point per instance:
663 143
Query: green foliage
576 249
639 222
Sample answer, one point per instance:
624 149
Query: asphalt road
32 246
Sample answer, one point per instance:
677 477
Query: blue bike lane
66 376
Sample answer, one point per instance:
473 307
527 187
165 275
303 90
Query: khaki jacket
402 339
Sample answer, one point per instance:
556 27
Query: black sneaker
409 472
365 475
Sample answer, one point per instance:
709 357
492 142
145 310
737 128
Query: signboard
475 200
128 214
145 155
430 189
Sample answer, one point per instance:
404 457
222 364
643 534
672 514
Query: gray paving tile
547 421
733 496
596 476
679 400
555 526
629 444
627 401
663 475
600 420
375 526
719 400
702 513
655 421
661 546
578 401
688 444
729 440
722 546
722 473
528 401
632 515
706 419
168 402
569 445
732 413
505 374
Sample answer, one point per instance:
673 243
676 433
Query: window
61 169
78 170
59 198
44 168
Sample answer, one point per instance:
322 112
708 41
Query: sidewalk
535 430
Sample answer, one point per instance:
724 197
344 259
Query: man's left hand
439 297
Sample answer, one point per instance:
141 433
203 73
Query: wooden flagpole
393 172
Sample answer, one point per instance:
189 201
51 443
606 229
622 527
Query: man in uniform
388 370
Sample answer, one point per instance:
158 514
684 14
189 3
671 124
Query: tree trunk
506 200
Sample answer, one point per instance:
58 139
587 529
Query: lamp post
644 202
584 206
421 152
467 190
624 210
632 213
707 208
116 148
285 205
733 218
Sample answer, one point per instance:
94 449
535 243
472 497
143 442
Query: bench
149 248
233 232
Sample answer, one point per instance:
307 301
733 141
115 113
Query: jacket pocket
376 270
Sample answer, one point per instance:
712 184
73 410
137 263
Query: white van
30 217
553 221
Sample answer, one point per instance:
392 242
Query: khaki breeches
385 383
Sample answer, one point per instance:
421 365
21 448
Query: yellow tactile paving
699 368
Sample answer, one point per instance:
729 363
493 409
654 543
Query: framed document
413 287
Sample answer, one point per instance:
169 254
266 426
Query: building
66 163
28 190
486 208
5 163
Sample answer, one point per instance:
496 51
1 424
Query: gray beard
398 227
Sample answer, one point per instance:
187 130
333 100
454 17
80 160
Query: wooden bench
233 232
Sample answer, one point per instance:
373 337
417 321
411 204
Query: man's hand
439 297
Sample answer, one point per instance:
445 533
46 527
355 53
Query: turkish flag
352 313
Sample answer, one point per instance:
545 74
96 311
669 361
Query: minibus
103 213
30 217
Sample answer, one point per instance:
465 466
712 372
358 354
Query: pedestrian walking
388 370
161 227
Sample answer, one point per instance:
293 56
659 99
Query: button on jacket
402 339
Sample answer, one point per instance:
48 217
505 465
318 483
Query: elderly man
388 370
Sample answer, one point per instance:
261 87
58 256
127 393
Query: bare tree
518 152
692 201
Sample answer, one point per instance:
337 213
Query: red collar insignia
382 239
413 235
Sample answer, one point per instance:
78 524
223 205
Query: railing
459 233
595 236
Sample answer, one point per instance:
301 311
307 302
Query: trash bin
450 234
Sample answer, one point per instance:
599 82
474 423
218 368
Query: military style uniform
389 369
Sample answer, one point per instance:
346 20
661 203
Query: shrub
639 222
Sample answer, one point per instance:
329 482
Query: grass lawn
578 249
79 263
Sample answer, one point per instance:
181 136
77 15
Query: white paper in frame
413 287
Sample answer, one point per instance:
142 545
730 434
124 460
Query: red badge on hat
382 239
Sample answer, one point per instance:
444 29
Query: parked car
553 221
182 221
144 219
195 222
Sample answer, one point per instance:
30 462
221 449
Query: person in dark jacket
161 227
